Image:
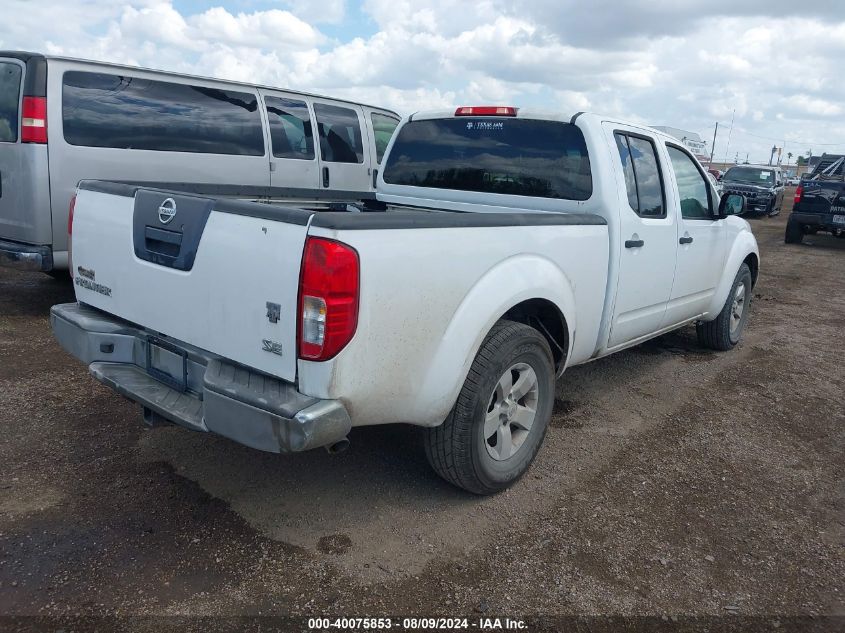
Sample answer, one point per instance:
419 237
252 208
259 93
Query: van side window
692 187
340 134
105 110
290 128
383 127
10 90
643 181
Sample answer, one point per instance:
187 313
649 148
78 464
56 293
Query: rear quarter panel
429 297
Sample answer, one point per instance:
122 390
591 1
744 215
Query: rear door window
383 128
105 110
10 92
643 180
340 134
522 157
290 128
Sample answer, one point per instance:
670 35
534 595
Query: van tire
794 232
458 450
723 333
59 275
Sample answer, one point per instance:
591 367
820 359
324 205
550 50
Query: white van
65 120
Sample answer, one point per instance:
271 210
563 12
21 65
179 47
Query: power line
790 141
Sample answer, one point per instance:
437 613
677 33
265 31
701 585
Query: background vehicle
715 182
819 201
762 186
65 120
514 245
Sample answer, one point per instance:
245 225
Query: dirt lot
674 481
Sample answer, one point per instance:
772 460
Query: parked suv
65 120
762 186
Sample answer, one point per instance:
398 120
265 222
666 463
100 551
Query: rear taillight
486 111
799 192
328 298
70 233
34 120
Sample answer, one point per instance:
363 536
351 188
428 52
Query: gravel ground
674 482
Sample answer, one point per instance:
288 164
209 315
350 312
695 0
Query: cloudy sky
685 63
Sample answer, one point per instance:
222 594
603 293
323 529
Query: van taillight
70 233
328 298
799 192
34 120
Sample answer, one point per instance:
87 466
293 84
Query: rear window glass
340 134
383 128
10 91
290 128
104 110
522 157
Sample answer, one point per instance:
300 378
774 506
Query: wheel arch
753 263
545 317
544 297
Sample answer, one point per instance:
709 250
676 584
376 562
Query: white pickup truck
511 246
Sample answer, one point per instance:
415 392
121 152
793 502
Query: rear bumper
25 256
822 221
248 407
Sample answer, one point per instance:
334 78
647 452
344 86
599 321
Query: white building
691 140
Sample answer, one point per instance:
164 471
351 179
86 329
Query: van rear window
523 157
10 96
105 110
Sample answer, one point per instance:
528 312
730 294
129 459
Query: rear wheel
494 431
794 232
724 332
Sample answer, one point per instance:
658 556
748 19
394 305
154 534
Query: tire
794 232
458 450
725 331
59 275
775 209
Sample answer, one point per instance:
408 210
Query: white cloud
772 63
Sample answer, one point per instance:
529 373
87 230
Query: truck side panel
426 304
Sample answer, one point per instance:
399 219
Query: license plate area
167 363
839 219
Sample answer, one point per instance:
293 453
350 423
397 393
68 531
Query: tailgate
821 196
222 275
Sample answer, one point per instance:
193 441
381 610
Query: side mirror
731 204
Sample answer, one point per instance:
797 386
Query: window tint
103 110
10 90
340 134
628 170
383 127
290 128
692 188
642 175
520 157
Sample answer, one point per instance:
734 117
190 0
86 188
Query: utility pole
713 146
730 131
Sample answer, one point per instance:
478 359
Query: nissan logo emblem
167 210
